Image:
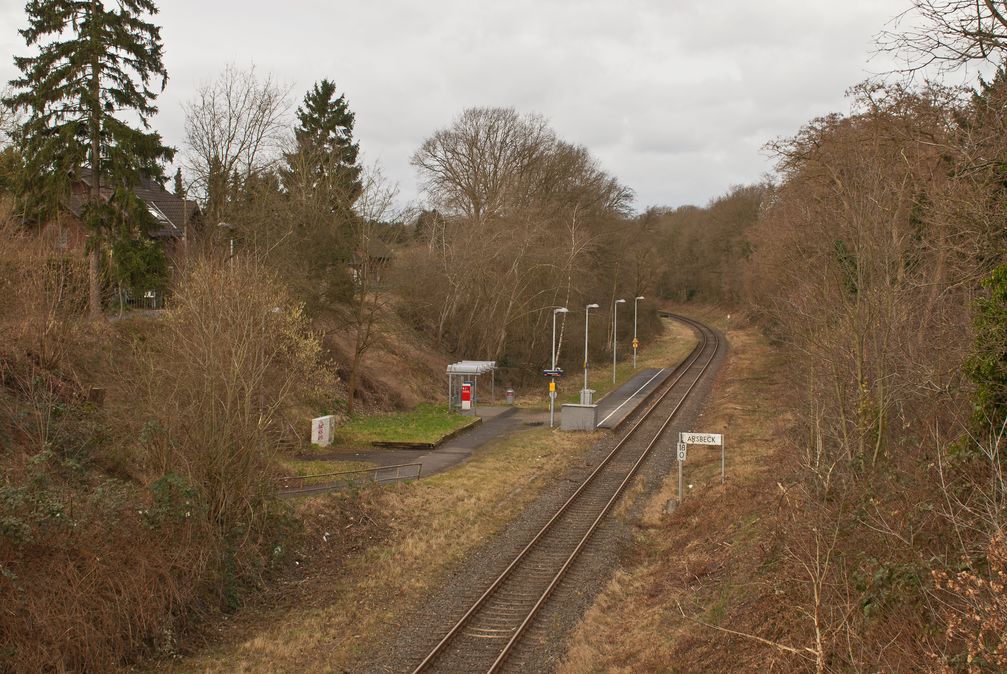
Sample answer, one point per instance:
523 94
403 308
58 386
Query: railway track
488 633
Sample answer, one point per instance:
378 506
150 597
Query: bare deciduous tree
867 258
228 356
526 222
374 207
477 166
949 33
235 126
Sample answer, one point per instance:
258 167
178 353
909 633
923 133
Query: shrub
229 355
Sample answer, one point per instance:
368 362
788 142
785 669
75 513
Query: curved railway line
491 629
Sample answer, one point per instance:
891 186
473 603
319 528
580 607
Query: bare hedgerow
229 356
42 295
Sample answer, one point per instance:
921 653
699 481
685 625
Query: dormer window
157 214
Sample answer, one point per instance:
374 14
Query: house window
157 214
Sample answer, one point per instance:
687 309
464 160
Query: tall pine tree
94 65
326 155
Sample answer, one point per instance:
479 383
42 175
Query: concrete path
621 402
497 422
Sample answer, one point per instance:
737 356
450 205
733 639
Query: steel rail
682 369
608 506
690 359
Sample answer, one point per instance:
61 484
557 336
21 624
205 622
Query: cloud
675 98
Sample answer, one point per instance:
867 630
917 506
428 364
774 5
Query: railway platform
623 401
501 421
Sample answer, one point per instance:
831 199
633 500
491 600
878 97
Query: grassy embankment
423 528
345 597
673 345
709 570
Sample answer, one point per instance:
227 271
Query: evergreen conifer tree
325 146
94 64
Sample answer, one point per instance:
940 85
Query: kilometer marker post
681 460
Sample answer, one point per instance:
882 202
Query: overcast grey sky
674 98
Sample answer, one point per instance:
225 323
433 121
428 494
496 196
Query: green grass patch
426 424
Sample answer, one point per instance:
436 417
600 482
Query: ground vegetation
145 445
875 268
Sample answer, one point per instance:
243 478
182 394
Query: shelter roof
474 367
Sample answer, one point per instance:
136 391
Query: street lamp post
636 344
552 388
615 333
587 312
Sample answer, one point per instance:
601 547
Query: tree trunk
351 386
94 287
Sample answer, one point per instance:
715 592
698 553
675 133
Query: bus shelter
468 372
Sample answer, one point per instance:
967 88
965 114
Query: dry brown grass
707 562
91 571
427 527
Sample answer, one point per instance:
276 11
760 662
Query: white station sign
703 438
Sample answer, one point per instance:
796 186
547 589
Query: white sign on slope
321 430
703 438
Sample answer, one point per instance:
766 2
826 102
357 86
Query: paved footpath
497 422
502 421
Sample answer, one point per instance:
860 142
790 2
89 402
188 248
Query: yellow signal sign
552 387
636 343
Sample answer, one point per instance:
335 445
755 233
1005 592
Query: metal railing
123 297
298 484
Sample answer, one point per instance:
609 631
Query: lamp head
561 310
641 297
591 306
620 301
